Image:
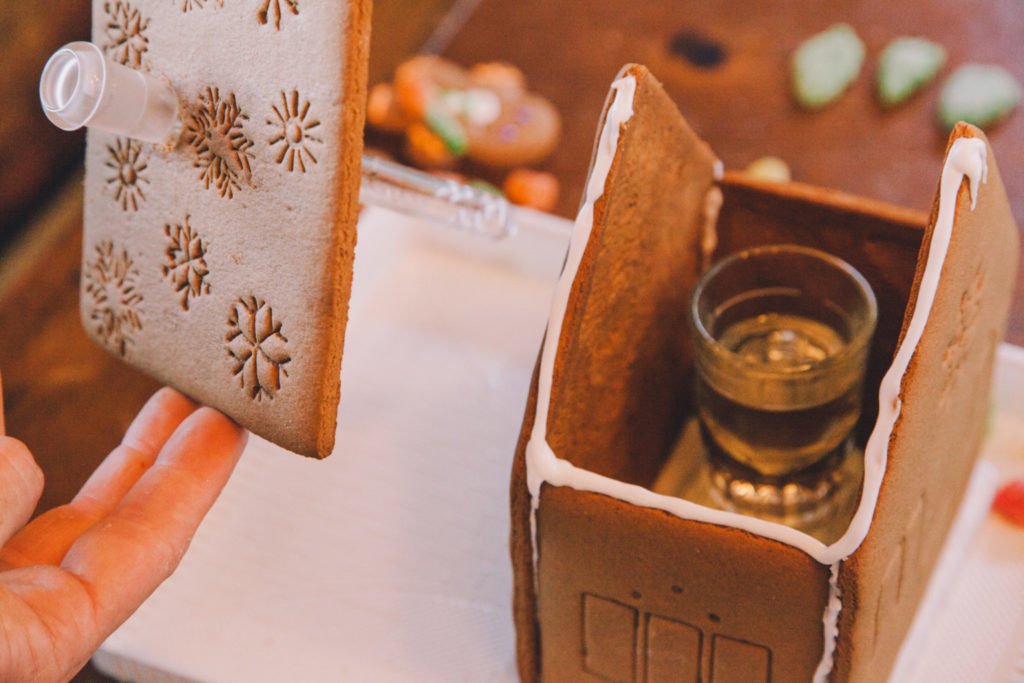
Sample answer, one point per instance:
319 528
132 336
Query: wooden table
741 105
71 402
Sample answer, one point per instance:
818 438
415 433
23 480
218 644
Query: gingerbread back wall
879 240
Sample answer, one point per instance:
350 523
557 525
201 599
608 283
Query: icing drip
830 621
719 169
541 462
709 230
967 158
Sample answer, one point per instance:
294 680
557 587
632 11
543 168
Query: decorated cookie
223 266
484 114
524 132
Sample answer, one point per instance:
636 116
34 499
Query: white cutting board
389 560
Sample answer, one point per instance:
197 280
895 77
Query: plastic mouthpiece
79 87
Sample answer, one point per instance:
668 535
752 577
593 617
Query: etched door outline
609 638
621 644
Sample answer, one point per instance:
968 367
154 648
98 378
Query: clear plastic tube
79 87
400 188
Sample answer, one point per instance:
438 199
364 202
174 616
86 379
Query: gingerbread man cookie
485 114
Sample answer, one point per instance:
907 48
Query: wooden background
71 402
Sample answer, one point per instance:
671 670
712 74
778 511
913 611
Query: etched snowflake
294 136
188 5
110 284
186 262
126 33
257 348
271 10
960 347
214 130
126 160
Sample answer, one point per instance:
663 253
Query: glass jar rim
850 356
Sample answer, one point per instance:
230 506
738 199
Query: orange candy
426 149
414 93
383 110
535 189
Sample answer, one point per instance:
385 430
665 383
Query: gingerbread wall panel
222 265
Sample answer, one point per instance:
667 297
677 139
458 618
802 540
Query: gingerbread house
614 582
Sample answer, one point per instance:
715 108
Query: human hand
75 573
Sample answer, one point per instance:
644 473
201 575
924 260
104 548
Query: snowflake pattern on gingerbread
214 130
189 5
127 42
110 284
295 134
186 261
126 160
272 11
257 348
959 346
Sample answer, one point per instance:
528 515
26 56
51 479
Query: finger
47 627
47 538
152 427
123 558
21 484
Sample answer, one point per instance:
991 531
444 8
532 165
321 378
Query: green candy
825 65
978 94
448 129
906 65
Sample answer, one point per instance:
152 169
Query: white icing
541 462
482 107
830 622
967 158
709 230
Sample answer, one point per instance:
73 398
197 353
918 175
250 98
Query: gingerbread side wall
623 344
613 350
939 431
346 215
629 593
524 597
